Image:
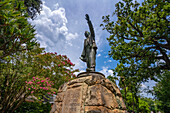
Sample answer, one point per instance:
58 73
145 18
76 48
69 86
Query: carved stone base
91 92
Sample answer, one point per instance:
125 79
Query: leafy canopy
32 73
139 38
14 28
33 7
25 69
161 91
131 102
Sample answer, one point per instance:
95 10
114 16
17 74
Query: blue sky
61 25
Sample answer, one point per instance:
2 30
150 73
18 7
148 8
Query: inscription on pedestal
72 101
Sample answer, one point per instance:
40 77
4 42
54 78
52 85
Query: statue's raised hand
87 17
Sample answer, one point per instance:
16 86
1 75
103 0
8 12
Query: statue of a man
89 52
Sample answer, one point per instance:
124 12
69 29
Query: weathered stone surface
101 109
89 94
121 103
98 95
72 100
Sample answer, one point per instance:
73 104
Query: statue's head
87 34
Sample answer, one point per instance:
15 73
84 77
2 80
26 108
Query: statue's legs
92 59
88 65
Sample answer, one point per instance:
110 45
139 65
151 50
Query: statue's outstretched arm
90 26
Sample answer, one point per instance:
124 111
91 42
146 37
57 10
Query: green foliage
32 72
130 89
131 94
14 72
139 39
131 102
25 69
153 104
34 107
162 93
14 32
33 7
14 28
144 106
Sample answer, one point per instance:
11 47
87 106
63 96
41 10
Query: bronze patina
89 52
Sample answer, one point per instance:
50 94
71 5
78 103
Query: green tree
139 38
24 68
34 107
162 93
129 85
153 104
131 103
33 7
14 28
31 72
144 106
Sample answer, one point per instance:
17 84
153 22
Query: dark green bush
33 107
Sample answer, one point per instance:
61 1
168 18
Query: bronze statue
89 52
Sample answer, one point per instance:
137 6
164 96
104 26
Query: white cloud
60 26
51 27
71 36
106 56
109 60
98 55
54 35
106 71
80 64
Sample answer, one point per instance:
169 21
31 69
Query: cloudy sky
61 26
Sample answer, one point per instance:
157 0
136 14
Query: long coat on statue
89 53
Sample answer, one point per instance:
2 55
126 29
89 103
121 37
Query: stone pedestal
91 92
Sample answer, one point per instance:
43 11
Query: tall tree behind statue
139 40
140 36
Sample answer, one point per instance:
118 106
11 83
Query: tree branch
159 57
165 57
141 34
166 46
127 38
